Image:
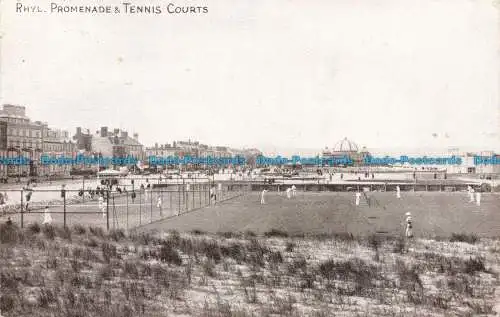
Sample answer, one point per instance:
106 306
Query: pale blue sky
303 74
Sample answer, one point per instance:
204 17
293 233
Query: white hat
408 214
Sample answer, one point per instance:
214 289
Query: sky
286 74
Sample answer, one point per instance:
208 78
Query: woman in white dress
47 219
409 226
102 207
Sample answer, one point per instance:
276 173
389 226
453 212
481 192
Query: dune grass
84 271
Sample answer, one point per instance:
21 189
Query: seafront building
196 149
116 143
470 166
20 136
469 162
343 148
55 142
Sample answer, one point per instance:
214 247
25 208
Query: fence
124 209
312 186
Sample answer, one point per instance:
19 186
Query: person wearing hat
409 227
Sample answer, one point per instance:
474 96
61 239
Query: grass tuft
79 229
9 233
170 255
276 233
464 237
49 231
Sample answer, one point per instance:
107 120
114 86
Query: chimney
136 136
104 132
124 134
78 131
116 131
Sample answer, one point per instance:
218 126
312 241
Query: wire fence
118 208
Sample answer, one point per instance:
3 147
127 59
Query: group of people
290 192
408 221
471 192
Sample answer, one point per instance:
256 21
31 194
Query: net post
107 209
64 208
22 209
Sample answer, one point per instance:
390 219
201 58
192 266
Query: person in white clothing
213 195
478 198
263 197
409 226
471 195
398 192
102 207
47 219
358 197
294 191
158 204
288 193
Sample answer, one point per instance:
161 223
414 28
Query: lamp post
98 169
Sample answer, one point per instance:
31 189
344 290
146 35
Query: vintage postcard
249 158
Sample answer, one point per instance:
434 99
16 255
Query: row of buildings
197 149
21 136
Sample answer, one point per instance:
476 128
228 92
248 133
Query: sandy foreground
49 271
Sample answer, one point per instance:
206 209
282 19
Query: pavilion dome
345 145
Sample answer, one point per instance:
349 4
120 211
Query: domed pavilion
346 147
